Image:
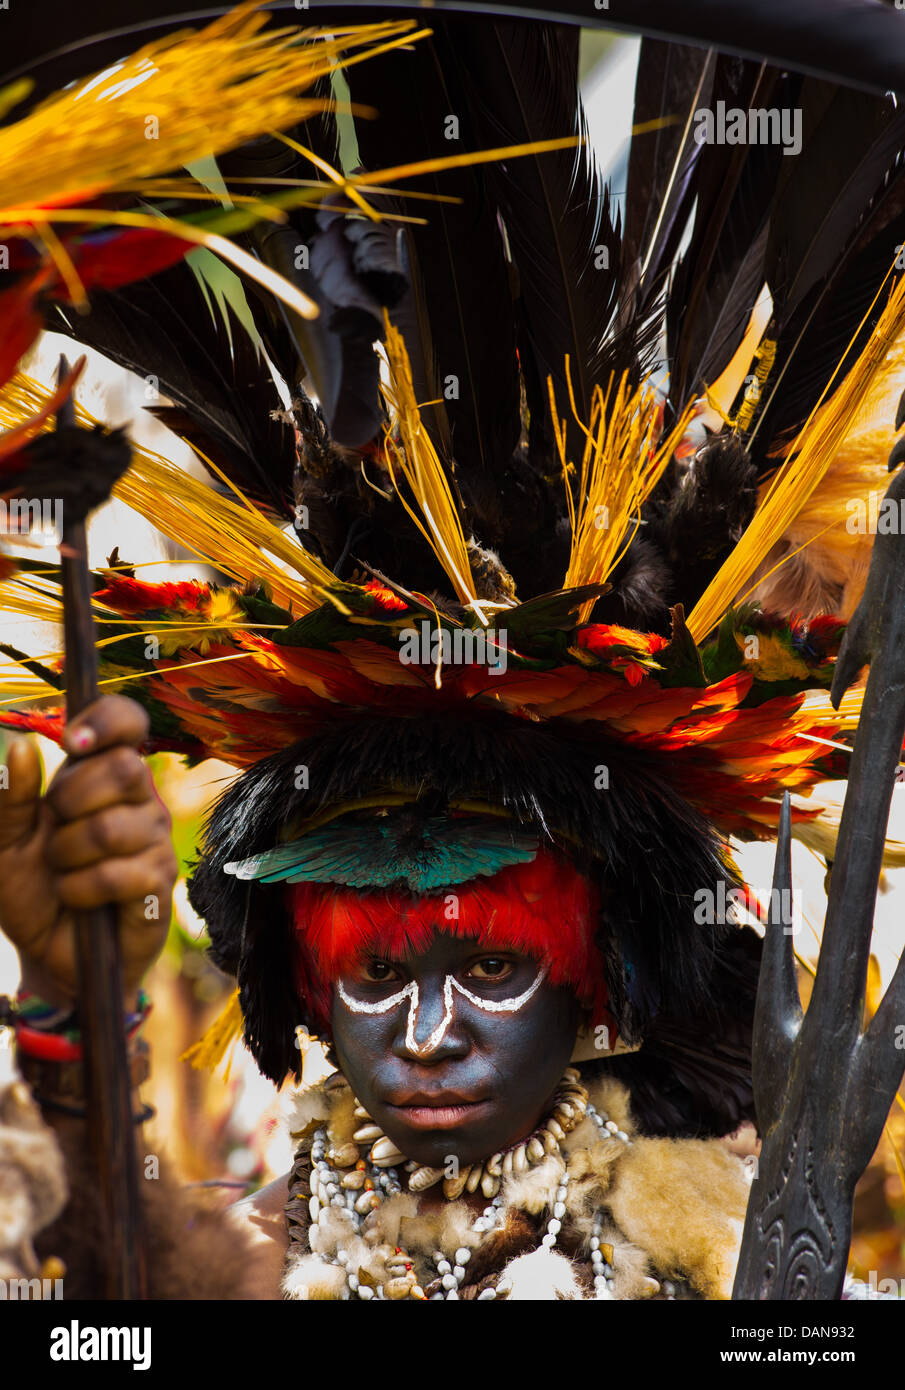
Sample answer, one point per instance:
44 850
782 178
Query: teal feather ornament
427 855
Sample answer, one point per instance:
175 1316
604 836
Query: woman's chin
434 1138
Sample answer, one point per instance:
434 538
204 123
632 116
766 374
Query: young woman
487 663
455 1153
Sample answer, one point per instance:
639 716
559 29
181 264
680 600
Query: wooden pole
107 1080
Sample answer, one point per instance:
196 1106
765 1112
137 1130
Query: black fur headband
608 805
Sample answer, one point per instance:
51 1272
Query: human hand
98 835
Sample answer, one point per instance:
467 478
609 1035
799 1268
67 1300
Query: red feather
21 323
110 259
544 908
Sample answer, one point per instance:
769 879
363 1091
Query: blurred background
226 1132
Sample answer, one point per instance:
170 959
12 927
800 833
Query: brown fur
631 1266
445 1227
342 1121
516 1236
193 1252
400 1209
530 1190
32 1179
683 1201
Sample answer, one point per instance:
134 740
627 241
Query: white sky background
608 92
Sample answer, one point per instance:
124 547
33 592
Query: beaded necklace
342 1178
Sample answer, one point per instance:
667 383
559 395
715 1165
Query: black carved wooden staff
107 1080
822 1087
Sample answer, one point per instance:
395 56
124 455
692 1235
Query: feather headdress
504 576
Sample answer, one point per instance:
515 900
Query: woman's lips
445 1116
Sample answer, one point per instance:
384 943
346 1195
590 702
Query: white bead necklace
601 1270
357 1195
452 1275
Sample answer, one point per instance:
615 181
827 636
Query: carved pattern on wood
803 1256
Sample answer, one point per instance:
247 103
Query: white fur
542 1276
309 1278
305 1105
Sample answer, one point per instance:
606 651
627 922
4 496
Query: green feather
427 856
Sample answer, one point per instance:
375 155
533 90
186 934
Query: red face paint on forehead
545 909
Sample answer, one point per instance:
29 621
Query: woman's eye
491 968
377 971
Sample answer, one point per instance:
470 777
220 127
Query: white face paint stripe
410 992
361 1006
503 1006
436 1037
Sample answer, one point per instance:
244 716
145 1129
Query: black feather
226 400
350 268
850 142
641 586
671 84
718 276
699 514
833 238
463 342
668 87
520 82
830 330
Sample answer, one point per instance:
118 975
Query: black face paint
455 1052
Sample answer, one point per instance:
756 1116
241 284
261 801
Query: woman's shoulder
261 1219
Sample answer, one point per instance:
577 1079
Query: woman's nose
430 1029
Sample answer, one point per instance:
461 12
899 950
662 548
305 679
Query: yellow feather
830 527
620 466
811 455
176 100
413 455
466 161
232 535
16 91
775 660
224 1032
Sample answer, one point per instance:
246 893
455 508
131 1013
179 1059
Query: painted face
455 1051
